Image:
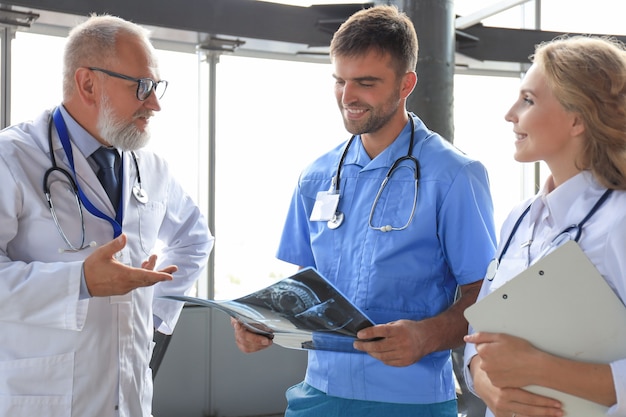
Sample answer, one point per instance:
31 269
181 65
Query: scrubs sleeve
187 244
295 244
466 224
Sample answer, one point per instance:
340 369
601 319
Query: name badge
325 206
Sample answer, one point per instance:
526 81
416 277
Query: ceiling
250 26
264 29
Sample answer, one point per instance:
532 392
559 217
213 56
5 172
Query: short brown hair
383 28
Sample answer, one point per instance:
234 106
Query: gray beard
125 137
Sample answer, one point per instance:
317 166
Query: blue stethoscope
338 217
79 196
574 230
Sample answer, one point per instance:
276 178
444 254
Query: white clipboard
563 306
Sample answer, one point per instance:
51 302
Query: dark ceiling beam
500 44
312 26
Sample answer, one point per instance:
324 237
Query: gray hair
93 43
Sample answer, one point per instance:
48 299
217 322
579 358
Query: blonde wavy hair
587 74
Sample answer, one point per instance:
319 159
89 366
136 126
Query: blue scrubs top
409 274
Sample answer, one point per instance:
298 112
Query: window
273 118
480 103
40 87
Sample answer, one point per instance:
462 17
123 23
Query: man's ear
86 85
409 81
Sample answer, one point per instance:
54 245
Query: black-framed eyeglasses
145 86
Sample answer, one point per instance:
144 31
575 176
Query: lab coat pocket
37 386
150 218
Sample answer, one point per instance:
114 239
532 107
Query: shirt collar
570 202
398 148
82 139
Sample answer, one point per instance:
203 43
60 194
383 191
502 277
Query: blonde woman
570 113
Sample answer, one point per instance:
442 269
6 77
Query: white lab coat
61 356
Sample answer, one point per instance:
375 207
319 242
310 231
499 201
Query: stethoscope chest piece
329 200
140 194
492 269
336 221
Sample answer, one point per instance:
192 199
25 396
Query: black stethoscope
338 217
566 234
80 198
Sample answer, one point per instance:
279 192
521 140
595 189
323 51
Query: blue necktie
106 158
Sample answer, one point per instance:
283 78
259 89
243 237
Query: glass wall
480 103
274 117
36 80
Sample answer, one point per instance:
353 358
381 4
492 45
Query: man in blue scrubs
399 254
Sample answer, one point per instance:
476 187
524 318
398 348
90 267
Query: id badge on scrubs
122 256
325 206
